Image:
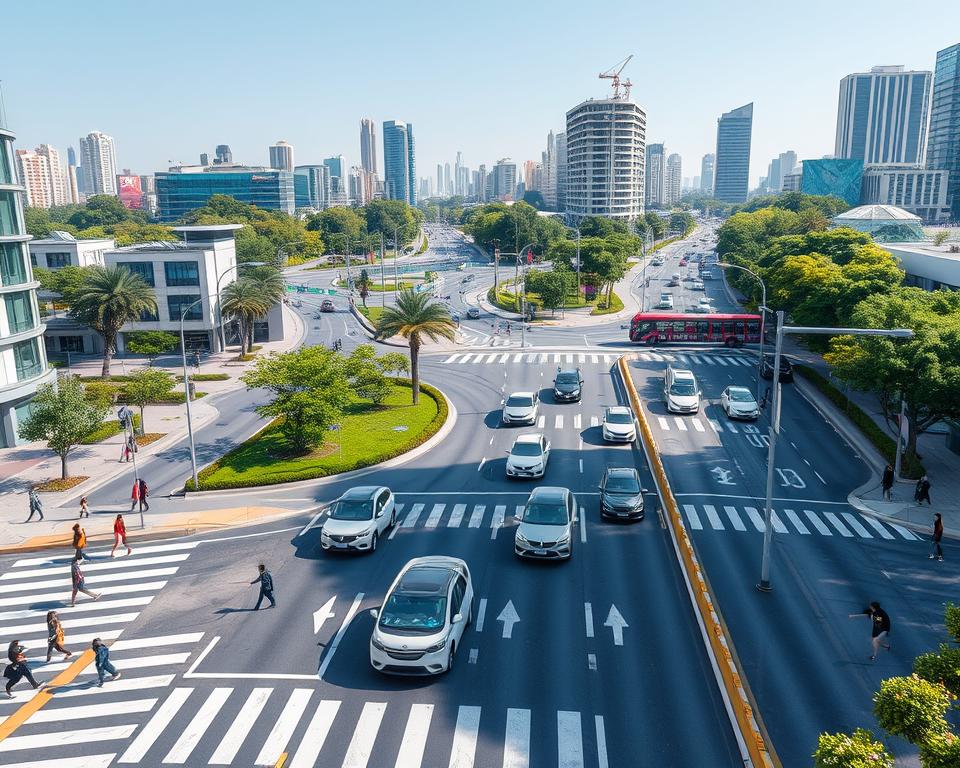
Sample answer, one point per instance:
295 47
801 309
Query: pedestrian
935 549
55 636
79 541
922 493
196 361
134 495
131 446
79 583
143 493
880 627
84 511
119 535
102 661
887 483
17 668
266 587
36 506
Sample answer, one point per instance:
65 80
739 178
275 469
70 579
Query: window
8 213
150 316
33 260
459 589
177 304
26 355
20 315
142 268
6 172
12 269
182 273
57 260
71 343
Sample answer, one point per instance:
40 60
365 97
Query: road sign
331 291
314 290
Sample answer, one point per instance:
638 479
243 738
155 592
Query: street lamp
523 294
222 336
896 333
763 314
186 391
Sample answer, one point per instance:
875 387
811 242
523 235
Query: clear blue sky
171 79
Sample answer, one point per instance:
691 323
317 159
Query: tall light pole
222 335
763 315
186 392
897 333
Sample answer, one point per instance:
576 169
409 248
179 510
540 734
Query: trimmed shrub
843 750
912 708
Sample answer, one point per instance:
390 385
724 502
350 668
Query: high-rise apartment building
943 146
502 182
281 156
399 161
707 165
447 180
35 178
549 180
440 188
368 145
606 147
774 177
223 155
57 178
481 193
788 164
882 116
655 175
561 141
23 364
99 163
672 187
732 173
337 166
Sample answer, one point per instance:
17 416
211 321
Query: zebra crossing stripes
592 358
681 423
227 750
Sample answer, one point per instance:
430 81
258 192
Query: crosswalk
798 519
445 515
703 424
597 358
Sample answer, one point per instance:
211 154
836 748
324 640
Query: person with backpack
101 660
36 506
142 494
17 668
79 541
923 491
266 587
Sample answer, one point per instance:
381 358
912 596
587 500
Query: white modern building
99 163
23 364
928 266
655 175
35 176
57 176
606 145
281 156
918 190
672 186
62 249
707 164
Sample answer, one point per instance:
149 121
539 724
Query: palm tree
244 301
413 317
107 299
363 285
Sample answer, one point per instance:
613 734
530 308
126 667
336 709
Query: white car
739 403
521 408
702 306
698 285
545 531
529 456
425 612
666 301
619 426
681 391
358 519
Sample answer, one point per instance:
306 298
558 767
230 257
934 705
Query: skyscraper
223 155
35 178
99 163
368 145
337 166
606 147
774 177
549 161
788 164
672 187
57 179
943 147
311 185
706 172
457 176
655 175
447 180
882 116
734 130
440 189
481 193
399 164
281 156
503 180
561 139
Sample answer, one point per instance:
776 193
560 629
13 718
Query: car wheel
373 542
450 656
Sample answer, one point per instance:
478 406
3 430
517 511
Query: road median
744 718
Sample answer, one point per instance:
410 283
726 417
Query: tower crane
614 74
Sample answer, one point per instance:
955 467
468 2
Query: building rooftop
877 213
58 238
224 228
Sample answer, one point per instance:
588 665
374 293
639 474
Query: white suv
358 519
528 457
680 390
521 408
619 426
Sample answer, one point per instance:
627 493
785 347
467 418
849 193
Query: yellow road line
282 760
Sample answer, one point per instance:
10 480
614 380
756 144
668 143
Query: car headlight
521 539
563 540
437 647
377 644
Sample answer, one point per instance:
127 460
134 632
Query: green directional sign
314 290
331 291
291 288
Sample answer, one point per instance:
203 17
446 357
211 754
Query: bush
942 667
952 620
841 750
941 752
206 377
912 708
102 392
870 429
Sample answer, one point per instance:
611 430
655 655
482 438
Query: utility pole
383 285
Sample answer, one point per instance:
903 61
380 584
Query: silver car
546 525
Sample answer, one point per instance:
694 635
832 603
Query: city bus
671 327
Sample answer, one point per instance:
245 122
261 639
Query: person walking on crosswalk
143 492
119 535
79 582
266 587
55 636
880 631
101 660
79 541
17 668
922 493
36 506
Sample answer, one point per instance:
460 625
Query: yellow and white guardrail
752 739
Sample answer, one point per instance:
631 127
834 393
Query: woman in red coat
119 535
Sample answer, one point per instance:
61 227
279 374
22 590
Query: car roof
568 371
682 373
621 471
617 409
548 493
430 575
531 437
520 394
734 388
361 493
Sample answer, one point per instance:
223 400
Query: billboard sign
130 191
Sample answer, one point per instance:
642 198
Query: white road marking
496 523
56 598
577 420
797 522
664 424
283 728
474 653
835 522
65 559
541 422
877 526
617 624
364 735
716 425
735 518
332 649
518 512
588 618
778 525
509 617
230 744
64 738
601 742
411 519
693 517
151 731
817 523
88 761
180 752
680 425
456 517
482 462
465 737
581 466
592 661
855 524
715 522
26 629
435 514
316 734
415 735
516 742
477 516
583 526
85 711
905 532
756 518
106 578
697 425
481 614
594 421
569 740
558 421
95 567
819 477
102 605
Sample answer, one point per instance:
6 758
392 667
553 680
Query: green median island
366 434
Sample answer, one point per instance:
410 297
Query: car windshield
545 513
619 418
519 401
414 613
567 379
526 449
683 388
622 484
666 296
352 510
741 396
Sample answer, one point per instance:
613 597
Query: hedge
887 446
431 429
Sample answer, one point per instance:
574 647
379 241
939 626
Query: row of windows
13 269
8 213
26 357
176 273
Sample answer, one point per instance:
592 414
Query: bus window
727 330
738 329
716 330
700 330
753 330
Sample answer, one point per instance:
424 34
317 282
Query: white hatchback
529 456
739 403
619 426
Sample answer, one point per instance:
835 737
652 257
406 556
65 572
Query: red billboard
130 191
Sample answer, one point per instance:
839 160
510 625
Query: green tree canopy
65 281
552 288
103 210
147 386
151 343
513 226
335 223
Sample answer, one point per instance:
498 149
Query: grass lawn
616 304
389 285
369 434
371 313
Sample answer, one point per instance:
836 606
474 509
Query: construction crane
614 74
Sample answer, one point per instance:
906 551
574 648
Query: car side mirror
458 618
379 513
375 612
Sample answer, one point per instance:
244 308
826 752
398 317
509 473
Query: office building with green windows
943 144
185 188
23 364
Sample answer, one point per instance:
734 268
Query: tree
939 238
656 224
243 301
107 299
912 708
859 750
65 281
552 289
535 198
62 415
414 317
394 362
101 210
147 386
363 285
309 389
389 216
366 375
682 222
601 226
151 343
336 226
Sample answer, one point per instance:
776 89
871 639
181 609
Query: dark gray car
621 495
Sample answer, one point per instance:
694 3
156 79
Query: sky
173 79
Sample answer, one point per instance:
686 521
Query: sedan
766 368
521 408
739 403
702 306
529 456
619 426
698 285
327 306
423 618
621 495
473 313
546 525
358 519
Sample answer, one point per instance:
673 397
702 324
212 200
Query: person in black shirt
881 626
266 587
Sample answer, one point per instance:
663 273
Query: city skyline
52 105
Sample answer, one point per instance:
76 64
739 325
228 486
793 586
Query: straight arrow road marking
617 623
323 614
509 617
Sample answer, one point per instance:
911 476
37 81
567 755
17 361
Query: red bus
670 327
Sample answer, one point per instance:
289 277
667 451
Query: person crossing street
880 622
102 662
936 550
119 535
17 668
266 587
55 636
79 582
79 541
36 506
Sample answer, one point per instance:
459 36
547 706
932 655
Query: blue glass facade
943 146
180 193
840 178
732 171
399 162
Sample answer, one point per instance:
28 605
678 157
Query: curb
731 678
